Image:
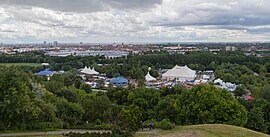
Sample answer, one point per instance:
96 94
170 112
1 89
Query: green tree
207 104
256 120
165 109
87 88
70 113
95 107
239 91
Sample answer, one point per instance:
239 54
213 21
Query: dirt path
64 131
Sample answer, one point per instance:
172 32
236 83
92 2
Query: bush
98 122
165 124
87 134
102 126
66 125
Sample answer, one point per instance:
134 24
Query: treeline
136 66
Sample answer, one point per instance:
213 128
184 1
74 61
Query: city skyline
145 21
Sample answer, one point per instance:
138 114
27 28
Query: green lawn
41 136
21 64
208 130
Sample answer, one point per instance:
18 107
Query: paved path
66 131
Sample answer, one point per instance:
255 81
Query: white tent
218 81
148 77
89 71
180 73
94 72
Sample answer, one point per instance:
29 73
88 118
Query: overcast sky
23 21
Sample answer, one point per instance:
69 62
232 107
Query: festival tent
148 77
45 72
94 72
89 71
180 73
119 81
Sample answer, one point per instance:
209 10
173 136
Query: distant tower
234 48
228 48
44 42
81 43
55 43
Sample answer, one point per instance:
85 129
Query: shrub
98 122
87 134
165 124
103 127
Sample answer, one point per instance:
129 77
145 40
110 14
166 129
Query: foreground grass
208 130
21 64
41 136
22 131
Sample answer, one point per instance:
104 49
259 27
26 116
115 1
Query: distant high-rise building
230 48
44 42
233 48
55 43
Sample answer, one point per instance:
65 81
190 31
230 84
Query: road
66 131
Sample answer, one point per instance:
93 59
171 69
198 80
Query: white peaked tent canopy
218 81
182 73
89 71
148 77
94 71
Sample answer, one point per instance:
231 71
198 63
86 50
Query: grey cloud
133 4
137 19
59 5
83 5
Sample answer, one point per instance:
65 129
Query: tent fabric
178 72
248 98
89 71
148 77
119 80
45 72
218 81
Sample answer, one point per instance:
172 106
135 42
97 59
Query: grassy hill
207 130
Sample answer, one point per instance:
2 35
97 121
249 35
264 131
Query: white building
230 48
180 74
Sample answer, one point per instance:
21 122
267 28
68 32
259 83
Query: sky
102 21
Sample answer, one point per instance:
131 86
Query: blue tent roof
119 80
45 72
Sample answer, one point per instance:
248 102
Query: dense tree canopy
31 102
206 104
